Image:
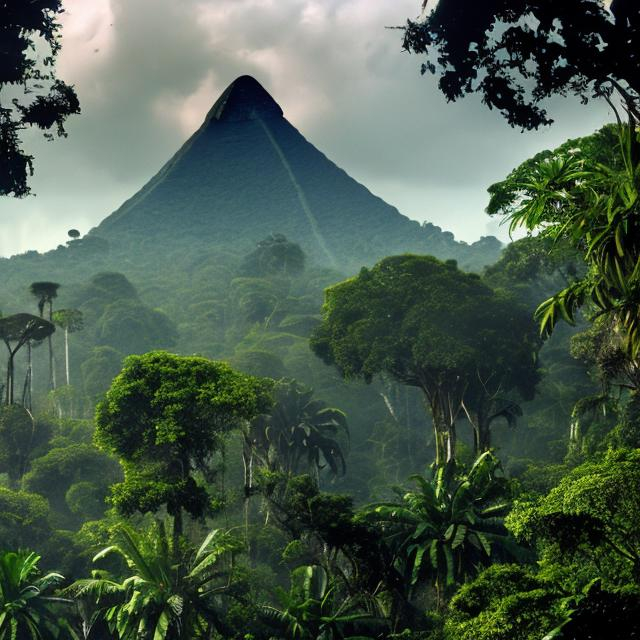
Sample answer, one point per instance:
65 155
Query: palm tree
161 599
446 529
45 292
299 433
20 329
313 610
70 320
25 606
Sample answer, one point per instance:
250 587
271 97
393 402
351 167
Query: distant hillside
247 172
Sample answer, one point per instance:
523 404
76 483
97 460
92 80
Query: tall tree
20 435
165 417
45 292
518 53
16 331
27 69
70 320
429 325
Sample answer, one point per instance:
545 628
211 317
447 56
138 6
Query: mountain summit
244 99
247 173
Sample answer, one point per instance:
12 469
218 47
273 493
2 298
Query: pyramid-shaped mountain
247 172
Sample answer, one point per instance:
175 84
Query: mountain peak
244 99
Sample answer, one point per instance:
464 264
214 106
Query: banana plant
448 527
26 603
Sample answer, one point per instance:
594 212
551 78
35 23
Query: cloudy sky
147 71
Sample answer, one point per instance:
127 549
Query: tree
446 529
20 329
165 417
428 325
132 327
161 599
534 267
275 255
588 522
70 320
24 520
45 292
504 602
25 603
298 428
98 370
28 30
573 196
20 437
516 54
54 474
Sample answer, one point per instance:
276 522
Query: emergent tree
429 325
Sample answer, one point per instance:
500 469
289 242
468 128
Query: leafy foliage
274 255
445 530
593 206
429 325
25 603
298 428
314 610
516 54
504 602
588 519
44 101
159 599
164 417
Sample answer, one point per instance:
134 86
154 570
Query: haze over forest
257 388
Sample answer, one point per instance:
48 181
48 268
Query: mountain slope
248 172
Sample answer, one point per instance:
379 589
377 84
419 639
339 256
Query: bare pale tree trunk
52 369
27 391
66 353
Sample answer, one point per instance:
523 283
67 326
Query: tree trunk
247 459
27 391
8 383
484 434
52 372
10 378
66 354
177 532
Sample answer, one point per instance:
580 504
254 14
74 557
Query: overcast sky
147 71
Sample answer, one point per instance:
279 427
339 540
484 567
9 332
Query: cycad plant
160 599
26 603
449 527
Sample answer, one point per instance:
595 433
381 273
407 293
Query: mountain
247 172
